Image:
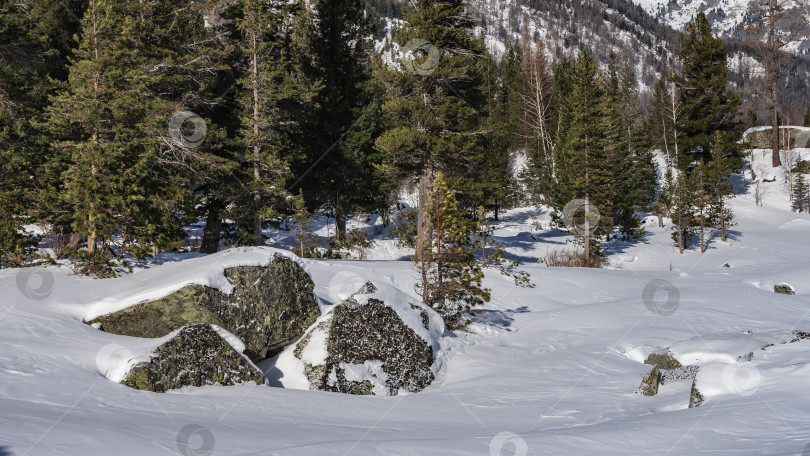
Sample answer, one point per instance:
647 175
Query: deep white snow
551 369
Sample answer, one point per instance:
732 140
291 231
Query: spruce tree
801 195
108 130
335 47
633 177
708 105
582 170
434 101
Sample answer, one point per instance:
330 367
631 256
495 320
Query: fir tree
433 106
801 195
582 168
335 46
708 106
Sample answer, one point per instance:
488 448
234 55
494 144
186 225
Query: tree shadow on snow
498 318
5 451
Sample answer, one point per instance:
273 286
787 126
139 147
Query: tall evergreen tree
708 105
629 154
267 89
108 130
582 169
801 195
336 51
434 101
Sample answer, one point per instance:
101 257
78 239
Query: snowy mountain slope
726 16
546 370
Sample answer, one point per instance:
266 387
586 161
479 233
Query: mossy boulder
365 346
663 360
784 289
650 382
268 307
695 398
196 356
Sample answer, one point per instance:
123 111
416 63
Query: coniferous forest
123 123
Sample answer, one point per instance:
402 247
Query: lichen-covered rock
784 289
269 306
370 343
650 382
695 398
196 356
663 360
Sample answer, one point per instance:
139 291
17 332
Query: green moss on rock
196 356
663 360
695 398
269 306
650 382
784 289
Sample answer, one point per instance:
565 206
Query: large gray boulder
197 355
268 307
372 343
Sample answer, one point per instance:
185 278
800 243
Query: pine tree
335 46
109 135
708 106
720 187
630 155
582 168
267 90
434 101
682 210
801 195
450 274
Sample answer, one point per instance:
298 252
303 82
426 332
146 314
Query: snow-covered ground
551 369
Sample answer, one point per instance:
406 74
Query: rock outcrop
196 356
269 306
368 344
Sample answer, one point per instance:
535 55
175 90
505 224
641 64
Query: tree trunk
340 219
587 232
258 239
423 224
660 221
212 230
702 236
773 83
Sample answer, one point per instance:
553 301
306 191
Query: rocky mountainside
644 31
